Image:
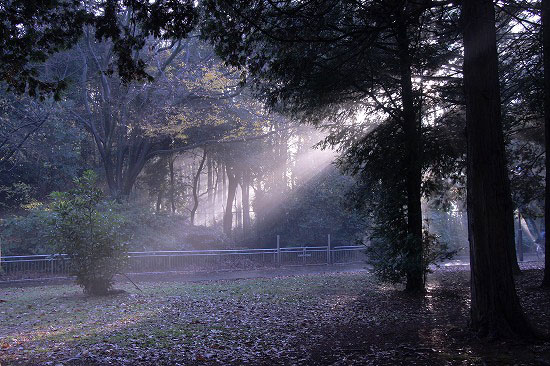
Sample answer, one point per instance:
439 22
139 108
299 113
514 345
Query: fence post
278 251
328 250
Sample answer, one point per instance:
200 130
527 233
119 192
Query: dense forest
417 129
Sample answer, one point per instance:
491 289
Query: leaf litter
326 319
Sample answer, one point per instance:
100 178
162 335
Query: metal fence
57 265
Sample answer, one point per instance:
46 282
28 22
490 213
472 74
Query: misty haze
234 182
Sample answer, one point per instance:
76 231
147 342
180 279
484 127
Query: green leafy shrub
380 164
388 256
87 228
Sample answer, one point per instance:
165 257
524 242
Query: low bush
87 228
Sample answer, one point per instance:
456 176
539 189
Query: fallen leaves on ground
331 319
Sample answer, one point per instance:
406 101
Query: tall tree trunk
531 228
136 161
495 307
512 247
546 50
245 193
224 185
514 254
411 126
520 237
172 183
238 213
232 183
159 200
216 202
196 188
283 151
114 189
210 185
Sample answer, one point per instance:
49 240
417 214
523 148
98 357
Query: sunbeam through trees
371 175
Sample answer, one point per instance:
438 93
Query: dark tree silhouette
495 308
546 50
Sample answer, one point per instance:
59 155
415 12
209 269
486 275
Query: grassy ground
337 319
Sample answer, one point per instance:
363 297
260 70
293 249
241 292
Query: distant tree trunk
514 255
512 248
245 193
495 307
135 161
196 188
546 50
283 150
159 199
531 228
216 201
238 212
233 182
87 152
172 183
210 185
224 185
411 126
259 212
520 237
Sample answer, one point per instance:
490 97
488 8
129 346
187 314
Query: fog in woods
230 182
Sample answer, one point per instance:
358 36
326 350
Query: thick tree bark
546 50
411 126
495 307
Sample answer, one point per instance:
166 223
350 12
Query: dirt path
202 276
272 272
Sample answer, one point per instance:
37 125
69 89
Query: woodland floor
312 319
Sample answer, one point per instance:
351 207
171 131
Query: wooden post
278 251
328 249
